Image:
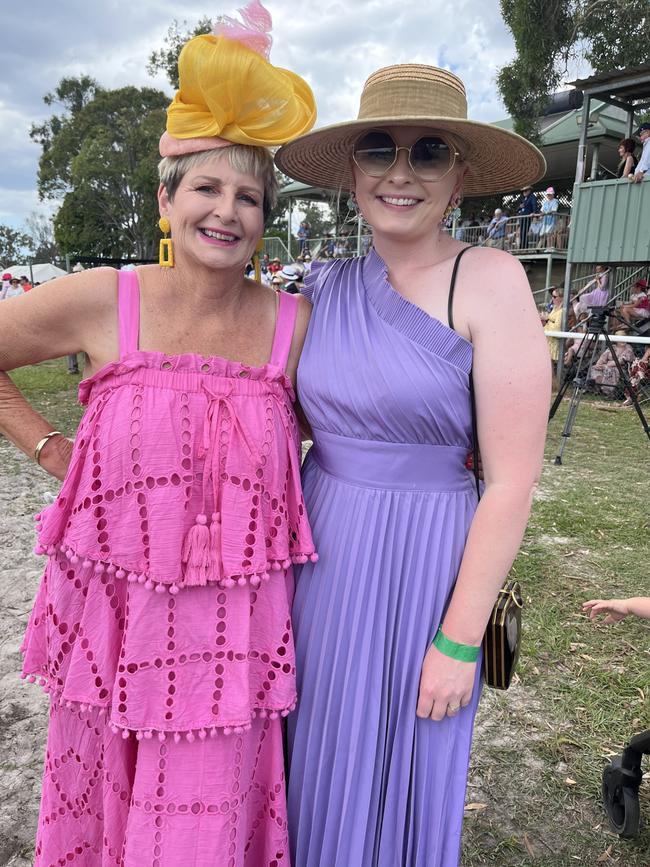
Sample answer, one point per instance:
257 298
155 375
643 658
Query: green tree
609 34
13 245
100 157
40 233
166 59
56 136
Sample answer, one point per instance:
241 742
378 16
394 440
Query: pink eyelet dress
161 629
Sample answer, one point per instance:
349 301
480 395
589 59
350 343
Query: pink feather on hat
254 33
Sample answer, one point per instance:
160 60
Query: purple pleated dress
385 388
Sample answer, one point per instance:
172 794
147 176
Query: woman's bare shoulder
60 316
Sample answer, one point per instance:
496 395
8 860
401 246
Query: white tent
41 273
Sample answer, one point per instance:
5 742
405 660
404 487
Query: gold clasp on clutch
513 596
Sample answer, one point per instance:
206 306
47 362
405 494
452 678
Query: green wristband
462 652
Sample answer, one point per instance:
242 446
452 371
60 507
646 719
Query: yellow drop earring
166 252
256 260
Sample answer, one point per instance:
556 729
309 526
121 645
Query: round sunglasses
431 158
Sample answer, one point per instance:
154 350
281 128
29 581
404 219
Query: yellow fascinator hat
231 94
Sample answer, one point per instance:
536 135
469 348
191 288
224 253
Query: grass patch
52 391
586 687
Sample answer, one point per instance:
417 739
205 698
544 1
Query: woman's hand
55 456
446 685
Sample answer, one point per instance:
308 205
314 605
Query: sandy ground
24 489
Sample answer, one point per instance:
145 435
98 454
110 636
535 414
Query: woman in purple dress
389 621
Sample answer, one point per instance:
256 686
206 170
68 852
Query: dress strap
128 307
452 286
284 326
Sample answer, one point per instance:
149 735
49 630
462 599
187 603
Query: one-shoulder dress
161 629
390 501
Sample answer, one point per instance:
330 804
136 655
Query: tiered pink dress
162 625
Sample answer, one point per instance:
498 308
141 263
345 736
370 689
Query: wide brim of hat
498 160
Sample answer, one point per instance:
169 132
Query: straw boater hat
416 95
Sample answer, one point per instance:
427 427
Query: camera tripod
587 354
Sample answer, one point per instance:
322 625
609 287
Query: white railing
324 247
535 233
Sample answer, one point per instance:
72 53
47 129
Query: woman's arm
299 335
57 318
629 166
512 399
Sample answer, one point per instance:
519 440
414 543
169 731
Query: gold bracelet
40 445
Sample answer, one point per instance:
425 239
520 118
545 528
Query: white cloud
334 45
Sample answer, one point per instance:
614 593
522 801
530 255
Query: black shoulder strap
452 287
472 399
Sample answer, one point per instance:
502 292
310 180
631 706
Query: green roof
564 128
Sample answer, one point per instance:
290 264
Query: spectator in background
25 284
304 234
552 291
553 322
527 207
340 248
14 288
604 373
291 277
329 246
643 167
6 280
628 161
639 373
638 307
549 218
496 230
599 295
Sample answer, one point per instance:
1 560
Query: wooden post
582 146
593 175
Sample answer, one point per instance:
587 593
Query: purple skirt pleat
370 784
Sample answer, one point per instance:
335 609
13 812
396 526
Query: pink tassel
216 570
196 553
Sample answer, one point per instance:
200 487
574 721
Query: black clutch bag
503 637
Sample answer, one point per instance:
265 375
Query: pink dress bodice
186 470
184 480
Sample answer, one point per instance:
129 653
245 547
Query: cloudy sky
334 45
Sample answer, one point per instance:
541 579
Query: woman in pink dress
161 629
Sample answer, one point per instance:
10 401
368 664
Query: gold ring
454 709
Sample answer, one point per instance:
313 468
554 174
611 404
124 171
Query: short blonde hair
256 161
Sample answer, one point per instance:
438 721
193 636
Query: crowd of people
625 319
533 225
14 286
